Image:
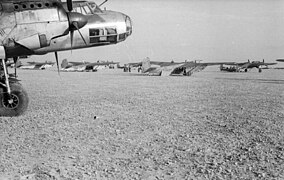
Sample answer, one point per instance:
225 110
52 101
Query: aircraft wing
268 64
280 60
163 64
234 64
218 63
73 63
78 68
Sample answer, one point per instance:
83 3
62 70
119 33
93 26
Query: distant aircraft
245 66
154 68
37 27
35 65
84 66
230 68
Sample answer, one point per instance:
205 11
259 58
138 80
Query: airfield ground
212 125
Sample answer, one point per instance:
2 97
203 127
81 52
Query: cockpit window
78 9
85 7
87 10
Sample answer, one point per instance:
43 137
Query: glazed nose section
128 23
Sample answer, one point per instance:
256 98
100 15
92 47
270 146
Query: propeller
69 5
76 22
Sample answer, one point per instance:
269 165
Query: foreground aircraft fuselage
36 27
39 27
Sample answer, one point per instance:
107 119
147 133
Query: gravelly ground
212 125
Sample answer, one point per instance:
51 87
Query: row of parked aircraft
149 67
30 65
65 65
187 68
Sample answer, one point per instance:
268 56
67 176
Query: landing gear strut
13 97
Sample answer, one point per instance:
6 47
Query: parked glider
36 27
155 68
84 66
34 65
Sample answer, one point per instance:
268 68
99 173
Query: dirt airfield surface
115 125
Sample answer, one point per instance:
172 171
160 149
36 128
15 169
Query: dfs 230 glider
33 65
156 68
83 66
36 27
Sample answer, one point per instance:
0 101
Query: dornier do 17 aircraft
36 27
84 66
156 68
246 65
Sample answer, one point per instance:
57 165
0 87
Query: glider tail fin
146 64
64 63
18 64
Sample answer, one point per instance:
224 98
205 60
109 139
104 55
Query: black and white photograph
141 89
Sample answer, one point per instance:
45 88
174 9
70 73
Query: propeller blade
56 57
71 38
69 5
75 24
82 37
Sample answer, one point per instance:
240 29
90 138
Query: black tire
15 104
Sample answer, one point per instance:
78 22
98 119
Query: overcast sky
212 30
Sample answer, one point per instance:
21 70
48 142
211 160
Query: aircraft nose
129 27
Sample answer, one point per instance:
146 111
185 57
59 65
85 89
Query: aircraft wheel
246 70
259 70
15 104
